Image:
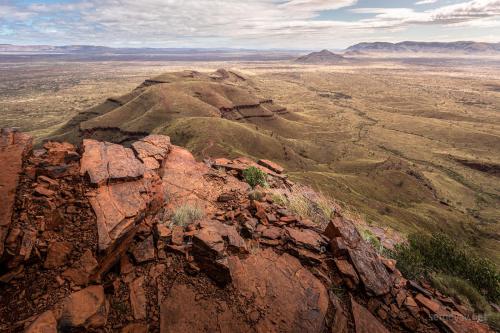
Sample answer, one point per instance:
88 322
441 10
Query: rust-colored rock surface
103 162
185 311
371 270
92 244
289 297
364 321
45 323
14 147
86 308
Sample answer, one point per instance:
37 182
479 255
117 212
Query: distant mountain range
465 47
322 57
90 52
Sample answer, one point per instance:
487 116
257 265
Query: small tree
254 176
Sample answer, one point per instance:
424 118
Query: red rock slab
288 296
364 321
370 268
152 150
183 311
104 161
86 308
185 181
348 271
432 305
14 147
45 323
271 165
306 238
57 254
117 207
138 301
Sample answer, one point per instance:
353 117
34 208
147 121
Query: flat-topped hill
162 100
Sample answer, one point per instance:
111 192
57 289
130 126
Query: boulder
364 321
289 297
86 308
45 323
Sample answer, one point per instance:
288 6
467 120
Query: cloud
317 5
425 2
234 23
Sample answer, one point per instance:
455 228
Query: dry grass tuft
187 214
306 203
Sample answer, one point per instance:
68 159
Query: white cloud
425 2
235 23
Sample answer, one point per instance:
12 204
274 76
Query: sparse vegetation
373 240
493 319
254 176
187 214
460 289
318 142
438 253
306 203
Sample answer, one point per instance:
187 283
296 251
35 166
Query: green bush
186 214
254 176
424 254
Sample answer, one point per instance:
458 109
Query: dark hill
322 57
204 112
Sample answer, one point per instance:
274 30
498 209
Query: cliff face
94 241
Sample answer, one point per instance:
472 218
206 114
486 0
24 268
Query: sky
256 24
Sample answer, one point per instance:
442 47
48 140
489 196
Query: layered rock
14 148
126 187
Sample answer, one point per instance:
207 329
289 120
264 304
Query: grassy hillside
410 151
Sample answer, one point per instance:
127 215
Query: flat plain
408 144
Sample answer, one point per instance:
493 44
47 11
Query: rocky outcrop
126 185
14 147
96 242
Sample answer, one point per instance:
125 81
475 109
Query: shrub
424 254
254 176
186 214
